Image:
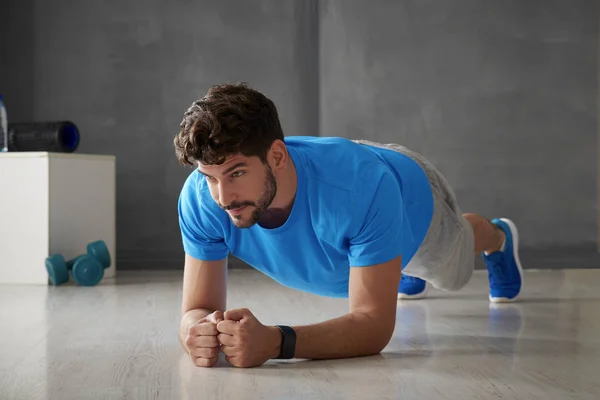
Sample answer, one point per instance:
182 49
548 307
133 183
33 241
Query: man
330 216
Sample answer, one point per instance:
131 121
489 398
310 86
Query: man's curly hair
229 119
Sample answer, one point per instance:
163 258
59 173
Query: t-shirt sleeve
201 231
377 232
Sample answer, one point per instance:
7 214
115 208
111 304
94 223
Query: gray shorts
446 258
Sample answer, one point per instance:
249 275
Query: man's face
242 186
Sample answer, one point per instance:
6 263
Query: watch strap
288 342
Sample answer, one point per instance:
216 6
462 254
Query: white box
53 203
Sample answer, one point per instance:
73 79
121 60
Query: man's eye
237 174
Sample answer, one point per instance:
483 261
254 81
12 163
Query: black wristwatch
288 342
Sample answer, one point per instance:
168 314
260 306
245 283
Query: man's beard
260 206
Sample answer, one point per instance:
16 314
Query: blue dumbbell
87 269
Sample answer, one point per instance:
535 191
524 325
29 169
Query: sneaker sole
515 233
404 296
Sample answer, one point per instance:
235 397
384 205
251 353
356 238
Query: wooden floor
119 341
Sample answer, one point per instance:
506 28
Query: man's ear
278 155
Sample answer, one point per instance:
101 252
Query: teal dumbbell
87 269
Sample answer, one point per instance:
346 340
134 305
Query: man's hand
245 341
201 340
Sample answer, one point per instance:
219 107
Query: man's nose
225 195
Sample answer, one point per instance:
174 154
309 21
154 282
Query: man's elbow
382 328
381 341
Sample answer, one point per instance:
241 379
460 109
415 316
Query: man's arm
204 291
369 325
376 266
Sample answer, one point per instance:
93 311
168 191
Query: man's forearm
351 335
188 319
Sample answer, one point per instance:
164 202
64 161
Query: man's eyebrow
228 170
240 164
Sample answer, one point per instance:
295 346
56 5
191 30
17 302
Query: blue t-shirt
355 205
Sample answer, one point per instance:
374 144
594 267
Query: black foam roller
53 136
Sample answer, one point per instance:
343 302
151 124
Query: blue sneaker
504 267
412 288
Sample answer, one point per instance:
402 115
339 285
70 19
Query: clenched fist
245 341
201 340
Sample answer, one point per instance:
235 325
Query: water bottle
3 125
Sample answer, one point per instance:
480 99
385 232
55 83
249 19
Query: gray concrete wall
17 58
500 95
